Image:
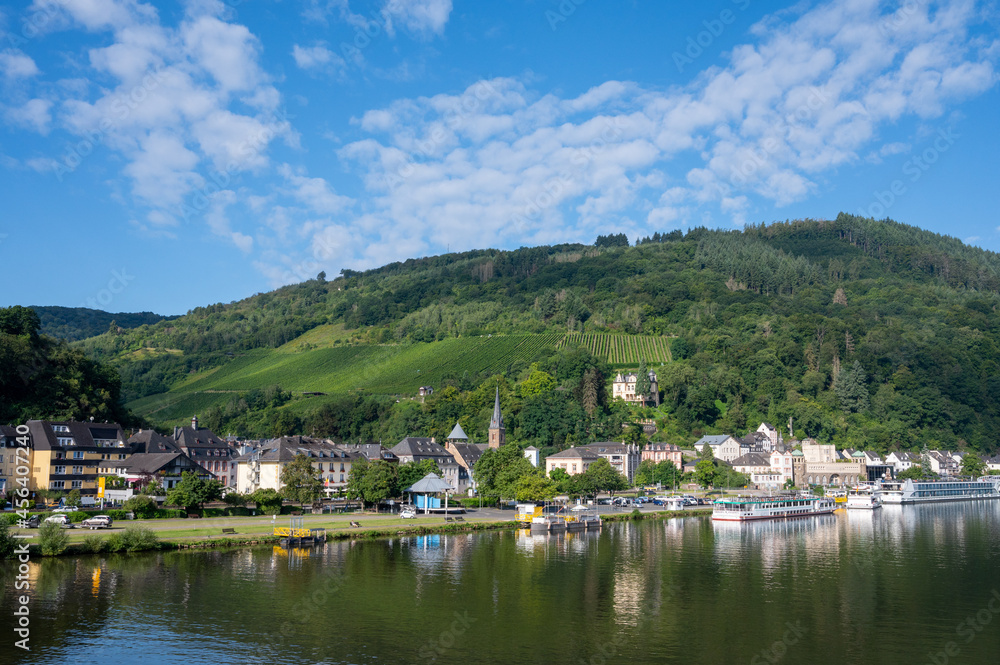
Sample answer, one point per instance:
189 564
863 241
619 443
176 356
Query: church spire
498 433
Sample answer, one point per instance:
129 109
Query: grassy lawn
192 529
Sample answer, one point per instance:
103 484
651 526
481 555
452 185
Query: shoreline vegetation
170 536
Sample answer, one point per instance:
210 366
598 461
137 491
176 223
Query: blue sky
162 156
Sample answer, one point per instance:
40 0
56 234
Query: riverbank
207 533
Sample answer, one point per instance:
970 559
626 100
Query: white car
64 509
61 520
408 513
96 522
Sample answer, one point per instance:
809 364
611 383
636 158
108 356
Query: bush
116 514
52 539
7 542
473 502
144 507
134 538
93 543
77 516
169 513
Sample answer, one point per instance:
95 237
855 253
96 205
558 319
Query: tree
915 472
644 473
411 472
300 481
381 482
704 472
973 465
498 470
193 491
535 487
73 498
852 390
268 500
236 499
600 476
642 383
706 453
144 507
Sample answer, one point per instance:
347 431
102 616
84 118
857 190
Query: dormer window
60 428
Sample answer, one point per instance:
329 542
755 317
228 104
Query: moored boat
863 498
927 491
746 508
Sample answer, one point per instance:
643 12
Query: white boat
863 498
746 508
926 491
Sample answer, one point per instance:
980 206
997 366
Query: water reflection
892 584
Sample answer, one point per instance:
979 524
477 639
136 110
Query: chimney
432 440
177 431
194 422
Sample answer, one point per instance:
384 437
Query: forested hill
866 332
76 323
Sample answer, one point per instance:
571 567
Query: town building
208 451
662 452
753 463
623 388
772 434
9 457
66 454
532 454
819 453
723 446
901 461
418 448
573 460
623 457
164 468
261 468
781 463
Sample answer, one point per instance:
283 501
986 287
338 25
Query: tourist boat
745 508
863 498
927 491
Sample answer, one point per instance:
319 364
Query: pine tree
852 390
642 384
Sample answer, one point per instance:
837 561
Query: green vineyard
622 349
388 370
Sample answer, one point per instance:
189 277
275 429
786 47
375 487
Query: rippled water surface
908 585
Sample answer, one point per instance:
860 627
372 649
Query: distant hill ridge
76 323
765 323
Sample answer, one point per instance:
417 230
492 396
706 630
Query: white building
261 468
623 388
781 463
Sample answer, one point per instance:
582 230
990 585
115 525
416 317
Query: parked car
97 522
64 509
408 513
61 520
604 502
641 500
31 523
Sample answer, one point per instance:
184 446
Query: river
909 585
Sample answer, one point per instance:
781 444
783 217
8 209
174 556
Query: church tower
498 433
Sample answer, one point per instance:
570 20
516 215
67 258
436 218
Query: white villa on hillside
623 387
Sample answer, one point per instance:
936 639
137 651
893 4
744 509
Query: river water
909 585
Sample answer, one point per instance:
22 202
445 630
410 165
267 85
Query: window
77 454
59 470
65 441
77 484
57 485
60 456
341 477
60 428
77 469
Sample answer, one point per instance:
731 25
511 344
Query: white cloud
16 65
316 57
812 95
34 115
417 16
